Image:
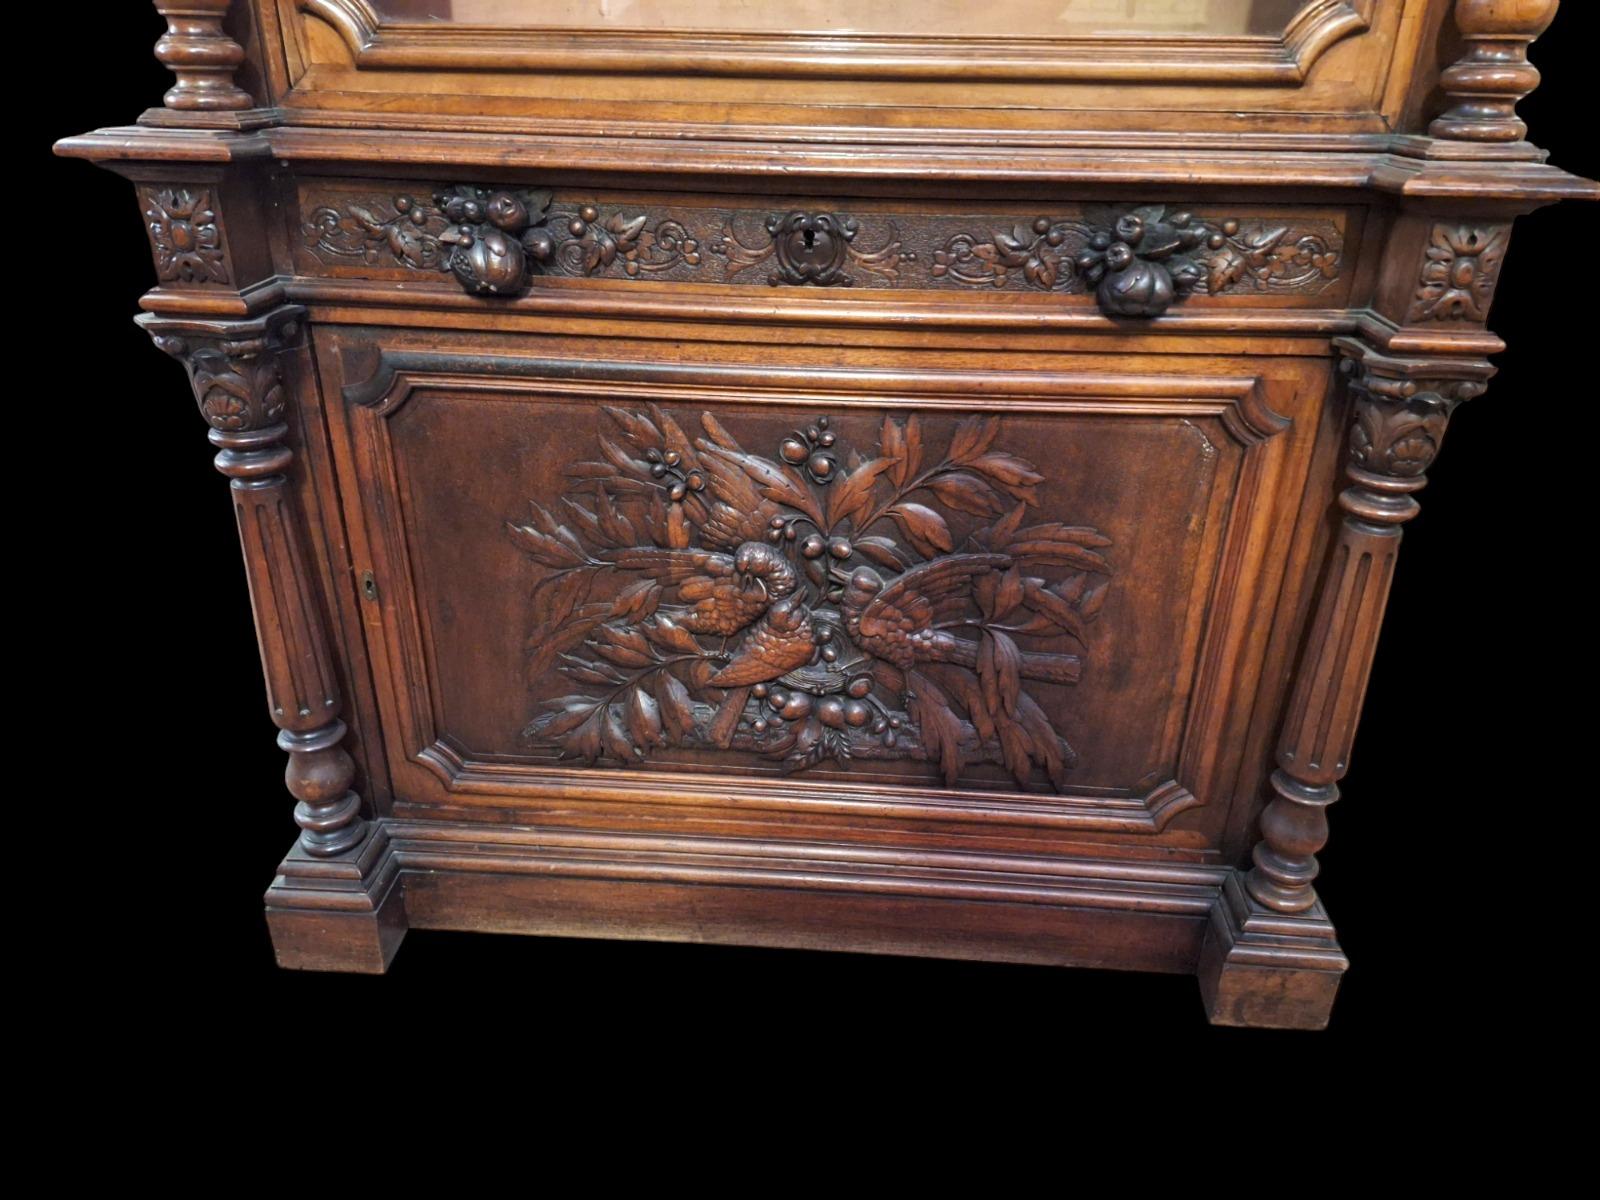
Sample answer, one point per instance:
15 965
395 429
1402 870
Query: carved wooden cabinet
908 478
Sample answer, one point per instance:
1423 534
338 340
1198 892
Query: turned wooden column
201 55
1402 407
233 367
1485 85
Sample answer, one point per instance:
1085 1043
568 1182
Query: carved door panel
1004 606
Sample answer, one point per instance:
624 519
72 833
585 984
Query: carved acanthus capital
232 366
1402 408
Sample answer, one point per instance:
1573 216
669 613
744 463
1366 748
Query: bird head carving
763 567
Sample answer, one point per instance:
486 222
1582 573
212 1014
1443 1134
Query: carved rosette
185 234
1402 407
1459 273
233 368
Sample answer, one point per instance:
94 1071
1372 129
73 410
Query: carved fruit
491 262
831 712
820 466
1140 290
859 686
840 547
857 713
793 451
813 546
507 212
798 706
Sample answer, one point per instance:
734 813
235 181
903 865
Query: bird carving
782 641
900 621
720 593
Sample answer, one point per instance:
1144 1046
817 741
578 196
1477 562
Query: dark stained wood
915 495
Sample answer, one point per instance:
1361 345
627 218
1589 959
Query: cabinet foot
1268 969
344 913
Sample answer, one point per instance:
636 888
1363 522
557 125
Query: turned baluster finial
1486 84
201 55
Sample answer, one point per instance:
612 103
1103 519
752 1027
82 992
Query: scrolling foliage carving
492 240
1142 261
810 606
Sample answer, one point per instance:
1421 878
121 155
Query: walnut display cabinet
918 478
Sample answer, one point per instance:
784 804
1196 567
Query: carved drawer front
1127 260
920 593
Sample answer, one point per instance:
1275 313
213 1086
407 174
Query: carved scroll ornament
810 606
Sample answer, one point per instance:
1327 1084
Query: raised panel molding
710 705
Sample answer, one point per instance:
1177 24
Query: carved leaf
1007 470
669 635
636 428
925 528
1008 592
882 551
623 645
1057 610
850 496
1049 747
999 670
718 435
1226 268
673 438
892 445
644 717
941 729
972 438
547 541
677 711
615 528
587 672
567 713
614 735
966 493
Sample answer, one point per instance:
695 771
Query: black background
163 816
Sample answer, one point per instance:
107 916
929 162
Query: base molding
1267 969
1255 967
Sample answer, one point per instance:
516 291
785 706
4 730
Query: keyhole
811 239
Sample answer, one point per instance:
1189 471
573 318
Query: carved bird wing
917 599
739 512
